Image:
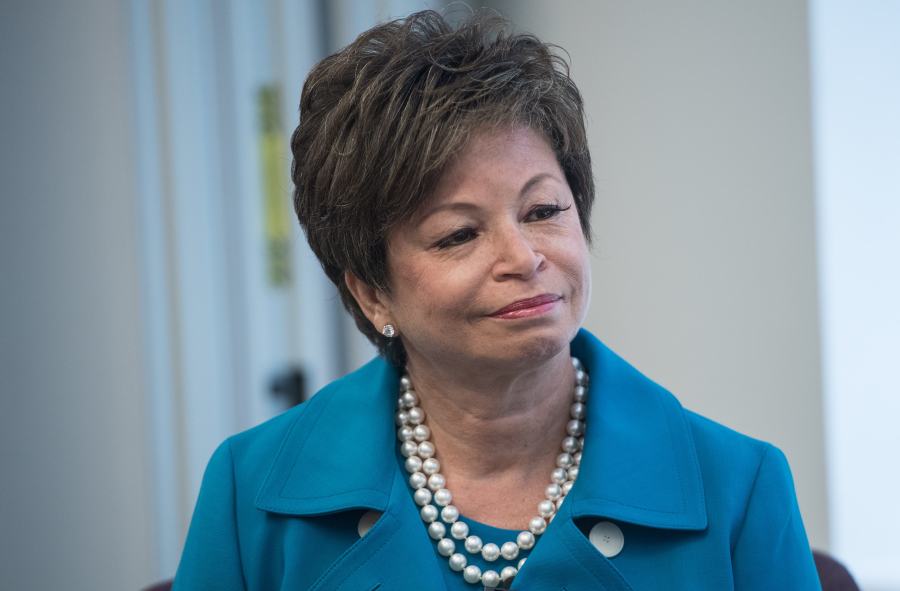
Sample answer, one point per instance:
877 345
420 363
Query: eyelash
463 235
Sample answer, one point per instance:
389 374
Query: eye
456 238
544 212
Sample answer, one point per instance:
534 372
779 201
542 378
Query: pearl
576 363
450 514
446 547
472 574
437 530
436 481
558 475
459 530
473 544
417 480
422 496
431 466
490 578
573 473
401 417
416 415
521 562
413 464
409 448
409 399
404 433
570 445
580 394
428 513
564 460
422 432
405 383
566 487
426 448
577 410
581 378
577 457
508 573
490 552
509 550
553 491
546 509
457 562
525 540
537 525
575 428
443 497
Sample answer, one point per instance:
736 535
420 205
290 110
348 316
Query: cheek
578 267
428 290
573 261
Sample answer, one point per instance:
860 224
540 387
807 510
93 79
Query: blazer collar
341 453
639 462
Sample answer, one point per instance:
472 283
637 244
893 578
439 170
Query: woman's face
495 265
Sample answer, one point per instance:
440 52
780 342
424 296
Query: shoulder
717 444
254 453
740 472
253 450
752 504
723 449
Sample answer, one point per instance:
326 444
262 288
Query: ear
373 302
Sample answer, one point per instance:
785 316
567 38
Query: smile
528 308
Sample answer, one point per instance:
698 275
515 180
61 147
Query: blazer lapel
395 554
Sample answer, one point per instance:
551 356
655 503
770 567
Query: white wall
704 260
74 506
857 92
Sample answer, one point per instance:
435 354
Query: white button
367 521
608 538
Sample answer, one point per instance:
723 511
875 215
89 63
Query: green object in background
274 190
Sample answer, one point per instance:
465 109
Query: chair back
833 575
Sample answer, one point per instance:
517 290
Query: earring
388 330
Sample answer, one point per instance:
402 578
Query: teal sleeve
771 550
211 559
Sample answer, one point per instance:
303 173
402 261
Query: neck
489 424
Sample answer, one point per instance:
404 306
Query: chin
531 350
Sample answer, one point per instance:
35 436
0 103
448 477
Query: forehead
494 162
521 147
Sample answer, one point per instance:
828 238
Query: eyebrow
466 206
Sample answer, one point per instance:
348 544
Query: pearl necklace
430 487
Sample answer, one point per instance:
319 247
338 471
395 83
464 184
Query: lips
534 302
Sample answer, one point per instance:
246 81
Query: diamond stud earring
388 330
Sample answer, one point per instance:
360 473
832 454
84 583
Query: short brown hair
382 118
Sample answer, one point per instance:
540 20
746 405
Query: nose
515 255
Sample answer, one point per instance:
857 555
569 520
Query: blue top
701 507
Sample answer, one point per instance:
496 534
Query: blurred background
157 294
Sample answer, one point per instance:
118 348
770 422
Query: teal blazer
701 507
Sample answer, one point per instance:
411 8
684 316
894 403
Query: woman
443 180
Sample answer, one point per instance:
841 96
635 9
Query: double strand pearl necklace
430 488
